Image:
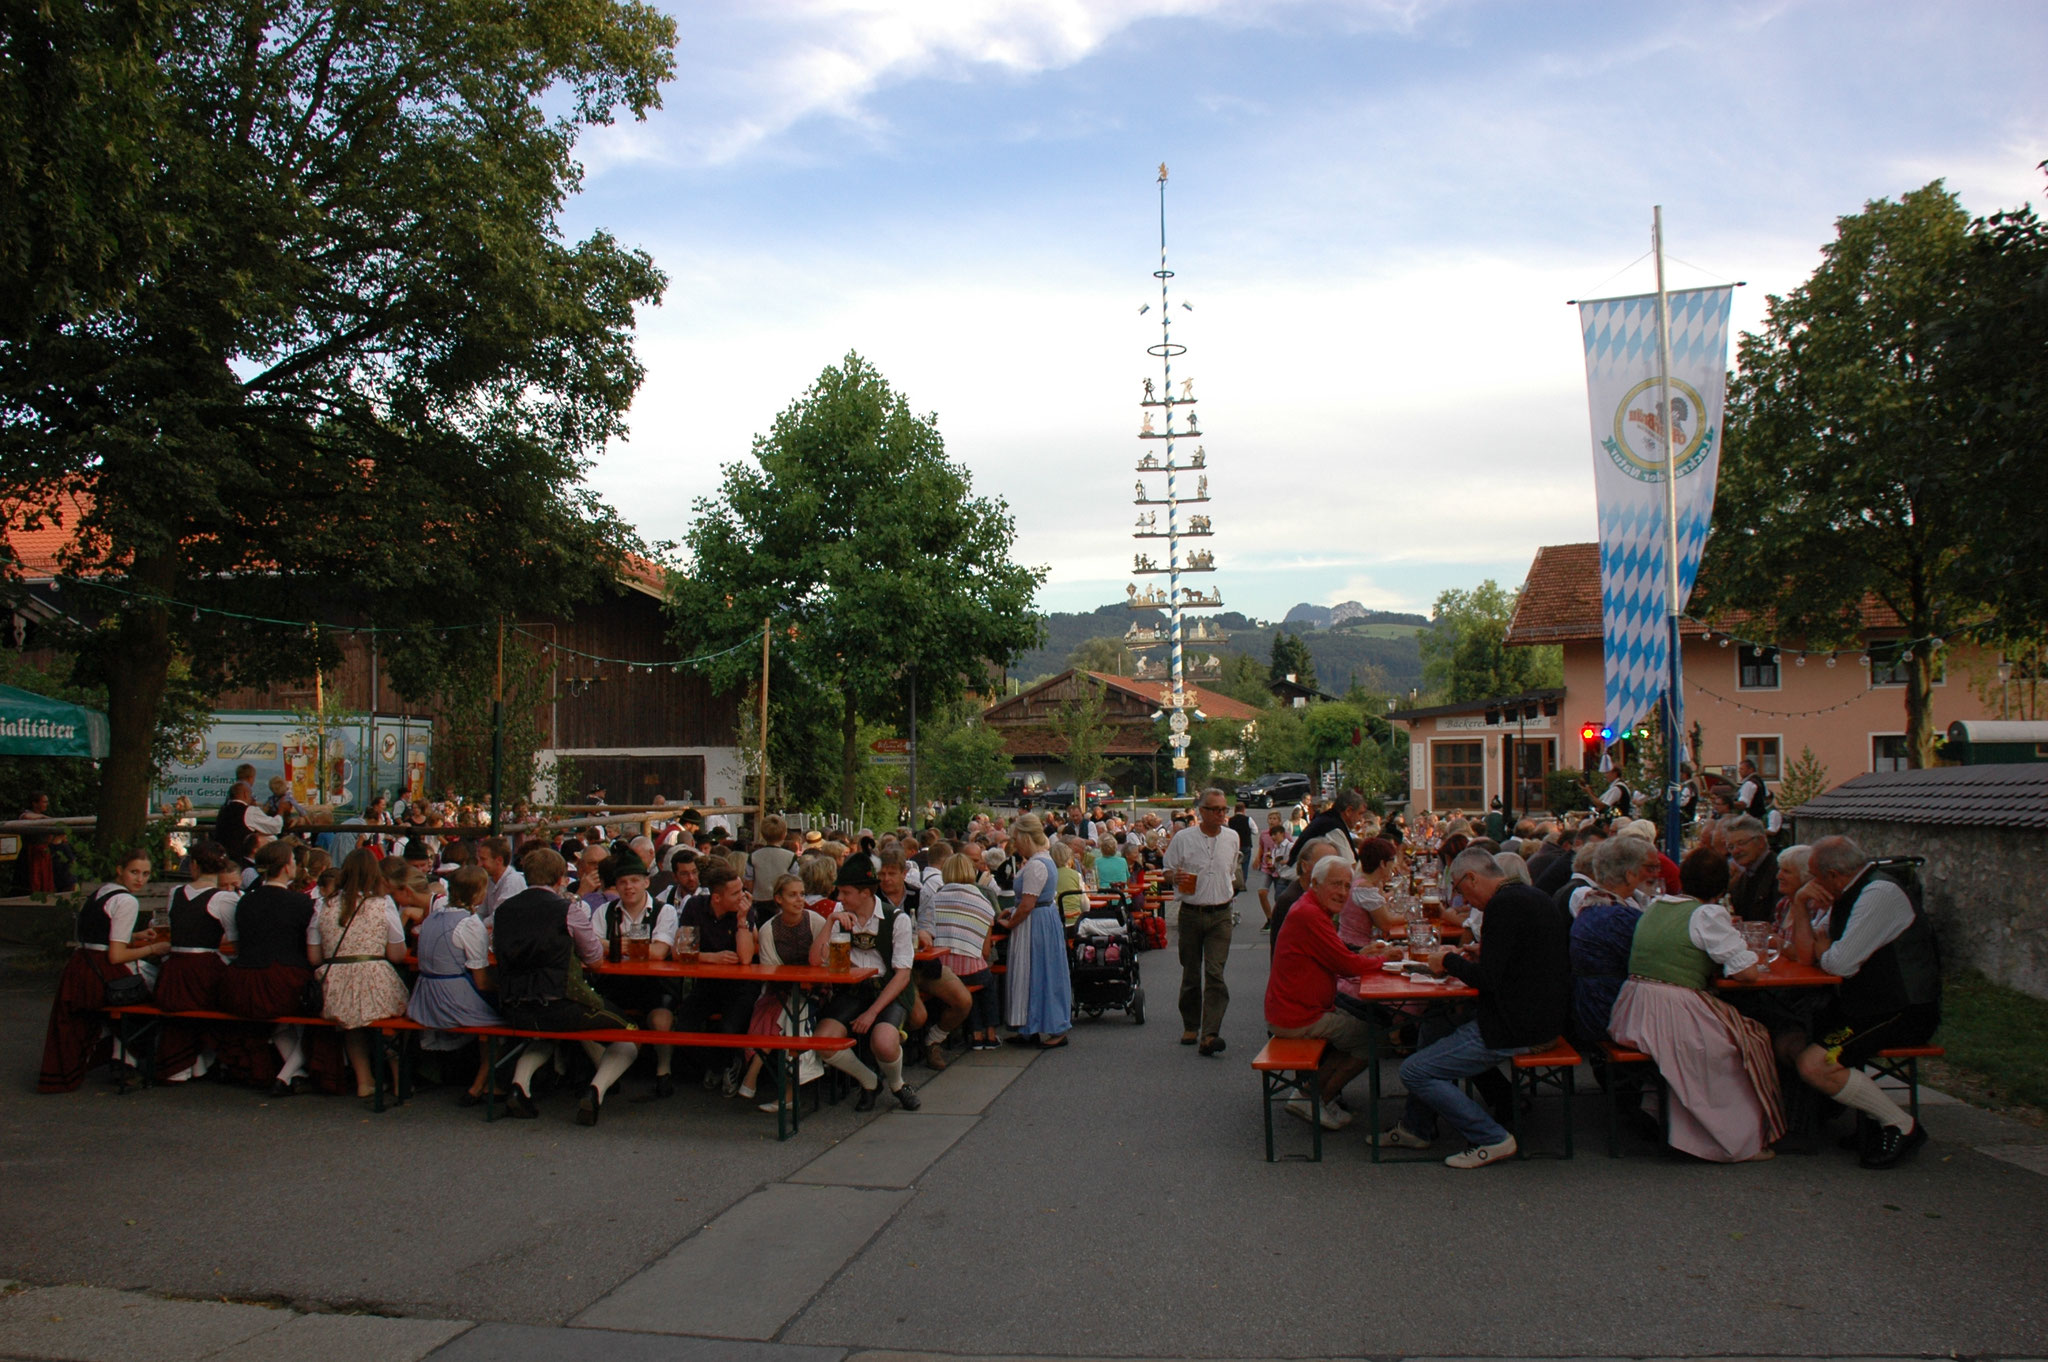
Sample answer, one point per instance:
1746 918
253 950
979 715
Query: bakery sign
1476 723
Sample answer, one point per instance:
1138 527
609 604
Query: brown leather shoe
935 1056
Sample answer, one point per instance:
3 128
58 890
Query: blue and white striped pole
1180 775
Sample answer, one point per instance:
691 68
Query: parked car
1277 790
1026 788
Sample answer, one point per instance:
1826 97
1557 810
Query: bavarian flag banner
1628 471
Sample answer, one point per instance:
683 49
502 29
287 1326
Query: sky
1377 210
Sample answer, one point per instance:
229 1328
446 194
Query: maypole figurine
1177 699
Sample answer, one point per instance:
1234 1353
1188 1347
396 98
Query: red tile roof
1560 601
1213 703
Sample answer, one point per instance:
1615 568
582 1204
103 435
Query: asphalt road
1113 1201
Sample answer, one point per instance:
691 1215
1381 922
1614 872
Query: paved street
1105 1200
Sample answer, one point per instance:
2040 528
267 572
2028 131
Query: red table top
764 974
1378 986
1786 973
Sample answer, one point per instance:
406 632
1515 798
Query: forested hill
1371 639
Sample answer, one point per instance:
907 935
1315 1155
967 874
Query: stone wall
1986 891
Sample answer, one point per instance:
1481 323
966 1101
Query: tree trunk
849 733
138 668
1919 704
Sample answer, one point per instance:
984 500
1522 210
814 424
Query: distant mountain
1363 639
1314 616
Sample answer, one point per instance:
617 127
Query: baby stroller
1102 960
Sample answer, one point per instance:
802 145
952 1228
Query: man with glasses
1524 978
1201 865
1753 897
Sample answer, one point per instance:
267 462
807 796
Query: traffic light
1589 733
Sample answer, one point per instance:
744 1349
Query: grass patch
1996 1038
1380 630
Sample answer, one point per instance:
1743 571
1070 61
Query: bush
1564 791
954 820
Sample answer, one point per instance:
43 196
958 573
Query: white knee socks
1864 1095
853 1068
528 1064
618 1057
291 1046
892 1071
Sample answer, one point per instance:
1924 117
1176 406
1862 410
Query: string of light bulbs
1799 655
1776 713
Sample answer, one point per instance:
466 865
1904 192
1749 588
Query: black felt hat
858 873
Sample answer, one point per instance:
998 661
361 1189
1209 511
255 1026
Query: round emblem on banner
1179 722
387 746
1637 446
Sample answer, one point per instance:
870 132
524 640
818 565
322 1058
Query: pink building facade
1741 699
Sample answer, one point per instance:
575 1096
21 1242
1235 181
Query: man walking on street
1201 864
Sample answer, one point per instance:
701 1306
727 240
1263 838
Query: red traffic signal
1589 733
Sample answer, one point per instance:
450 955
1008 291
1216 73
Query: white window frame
1870 681
1777 653
1778 738
1484 765
1871 739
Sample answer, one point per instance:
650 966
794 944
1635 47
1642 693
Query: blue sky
1378 211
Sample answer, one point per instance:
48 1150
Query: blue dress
1603 934
445 994
1040 993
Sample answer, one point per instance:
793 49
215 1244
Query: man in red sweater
1301 989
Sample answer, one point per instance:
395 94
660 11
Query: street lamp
2004 675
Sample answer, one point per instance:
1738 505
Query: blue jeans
1432 1076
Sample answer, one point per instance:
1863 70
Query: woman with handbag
101 971
277 944
362 943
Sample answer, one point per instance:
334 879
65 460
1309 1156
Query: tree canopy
852 530
1883 443
1464 653
298 334
1291 658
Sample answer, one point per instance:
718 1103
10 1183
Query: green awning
34 725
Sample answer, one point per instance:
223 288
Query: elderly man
1201 865
1524 980
1292 892
1879 941
1753 897
1301 991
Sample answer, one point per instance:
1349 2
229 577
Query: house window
1460 775
1757 668
1888 752
1764 752
1888 665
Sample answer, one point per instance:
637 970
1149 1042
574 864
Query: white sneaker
1334 1118
1480 1155
1401 1137
770 1107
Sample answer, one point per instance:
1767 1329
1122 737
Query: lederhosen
1895 998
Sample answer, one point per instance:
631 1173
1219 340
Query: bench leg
1266 1100
1571 1084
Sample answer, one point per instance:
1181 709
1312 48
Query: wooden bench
1903 1063
1556 1067
786 1117
1287 1070
1617 1057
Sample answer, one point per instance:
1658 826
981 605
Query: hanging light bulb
1799 661
1863 659
1831 659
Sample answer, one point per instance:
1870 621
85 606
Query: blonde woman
1040 996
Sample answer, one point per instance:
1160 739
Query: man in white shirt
1200 865
884 940
1880 943
494 854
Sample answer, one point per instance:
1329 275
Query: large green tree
305 339
1291 658
1465 655
852 529
1859 462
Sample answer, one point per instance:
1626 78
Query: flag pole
1674 695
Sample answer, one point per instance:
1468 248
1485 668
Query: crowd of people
1584 930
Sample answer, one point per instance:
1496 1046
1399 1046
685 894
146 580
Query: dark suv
1275 790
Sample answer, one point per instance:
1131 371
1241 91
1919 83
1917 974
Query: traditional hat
857 873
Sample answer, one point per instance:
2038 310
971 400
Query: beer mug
686 945
637 937
839 951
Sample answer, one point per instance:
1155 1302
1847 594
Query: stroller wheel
1137 1007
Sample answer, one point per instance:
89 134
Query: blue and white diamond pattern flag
1628 471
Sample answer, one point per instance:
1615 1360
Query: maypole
1176 698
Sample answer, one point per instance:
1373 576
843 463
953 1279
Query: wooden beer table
1379 988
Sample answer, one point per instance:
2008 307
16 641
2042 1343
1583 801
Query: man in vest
938 1000
1879 941
884 940
1753 896
543 939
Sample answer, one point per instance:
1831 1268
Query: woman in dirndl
1039 998
455 958
277 943
1726 1106
362 942
787 938
201 913
78 1038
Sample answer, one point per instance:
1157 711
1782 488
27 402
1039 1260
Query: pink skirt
1725 1103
